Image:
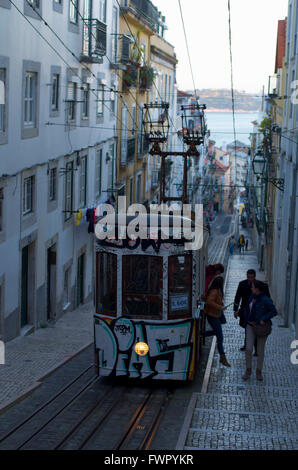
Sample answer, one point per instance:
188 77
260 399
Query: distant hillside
221 100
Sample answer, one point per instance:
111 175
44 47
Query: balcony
143 146
144 10
146 77
130 76
131 149
94 41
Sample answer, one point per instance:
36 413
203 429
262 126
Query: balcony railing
144 9
143 146
130 76
94 40
146 77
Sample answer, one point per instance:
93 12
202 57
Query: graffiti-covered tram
147 323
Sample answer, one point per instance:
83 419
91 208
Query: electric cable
232 79
188 53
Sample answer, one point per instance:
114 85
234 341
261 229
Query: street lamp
258 164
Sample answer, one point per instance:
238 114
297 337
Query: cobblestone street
29 358
236 415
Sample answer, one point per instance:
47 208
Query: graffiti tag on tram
170 348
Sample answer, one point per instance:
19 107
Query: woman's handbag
222 318
262 330
242 317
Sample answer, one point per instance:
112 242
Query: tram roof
149 220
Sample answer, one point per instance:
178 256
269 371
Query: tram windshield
142 286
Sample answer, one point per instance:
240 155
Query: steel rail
54 397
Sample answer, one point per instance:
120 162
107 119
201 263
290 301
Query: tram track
34 423
88 414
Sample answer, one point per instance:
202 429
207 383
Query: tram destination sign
179 302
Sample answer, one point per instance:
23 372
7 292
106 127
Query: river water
221 127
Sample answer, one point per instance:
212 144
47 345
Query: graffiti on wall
170 348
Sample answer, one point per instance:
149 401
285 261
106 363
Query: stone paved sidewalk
234 414
29 358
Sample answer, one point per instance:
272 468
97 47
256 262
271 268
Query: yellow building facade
141 80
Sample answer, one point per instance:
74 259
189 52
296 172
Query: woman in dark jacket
259 311
213 310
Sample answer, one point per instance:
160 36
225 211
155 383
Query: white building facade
57 152
285 262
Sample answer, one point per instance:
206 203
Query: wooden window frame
99 281
160 296
175 316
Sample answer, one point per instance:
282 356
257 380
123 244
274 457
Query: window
30 6
28 187
100 99
71 101
133 121
2 99
68 190
102 10
98 167
166 87
55 92
139 189
130 191
142 286
1 210
73 11
52 184
112 99
180 286
114 41
83 181
30 99
58 6
106 285
170 90
66 290
86 95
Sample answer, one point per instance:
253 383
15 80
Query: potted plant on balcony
146 77
130 75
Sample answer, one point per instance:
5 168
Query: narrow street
238 415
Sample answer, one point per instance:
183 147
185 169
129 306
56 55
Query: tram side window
142 286
106 292
180 286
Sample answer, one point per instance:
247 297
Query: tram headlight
141 348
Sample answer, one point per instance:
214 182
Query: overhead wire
187 48
232 78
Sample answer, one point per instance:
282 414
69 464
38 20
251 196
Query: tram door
80 279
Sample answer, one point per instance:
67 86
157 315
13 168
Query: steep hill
221 100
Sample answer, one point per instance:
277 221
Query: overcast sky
254 34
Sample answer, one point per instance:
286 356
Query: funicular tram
147 320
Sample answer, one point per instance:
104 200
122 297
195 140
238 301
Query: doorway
80 279
28 285
51 282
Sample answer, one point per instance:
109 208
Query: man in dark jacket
258 312
241 299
